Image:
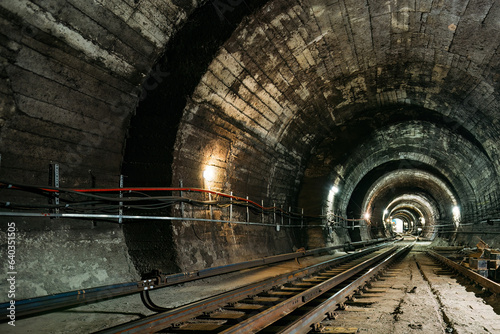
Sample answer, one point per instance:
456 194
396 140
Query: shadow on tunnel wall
152 133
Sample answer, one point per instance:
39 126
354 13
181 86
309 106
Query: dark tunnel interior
327 122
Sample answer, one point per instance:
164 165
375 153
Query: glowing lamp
209 174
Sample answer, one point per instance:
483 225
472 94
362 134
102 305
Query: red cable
97 190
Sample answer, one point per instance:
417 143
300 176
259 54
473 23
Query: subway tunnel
375 117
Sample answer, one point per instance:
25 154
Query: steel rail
163 320
483 281
270 315
307 322
45 304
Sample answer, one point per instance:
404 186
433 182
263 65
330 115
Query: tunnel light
367 216
456 214
332 193
209 174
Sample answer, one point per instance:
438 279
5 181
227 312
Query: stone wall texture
283 99
71 75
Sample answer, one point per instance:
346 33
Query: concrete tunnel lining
285 78
396 186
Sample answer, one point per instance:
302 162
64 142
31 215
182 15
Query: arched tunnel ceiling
283 98
418 211
415 205
290 92
396 184
420 204
331 91
401 146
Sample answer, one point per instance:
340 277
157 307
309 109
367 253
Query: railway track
425 292
292 303
66 300
375 290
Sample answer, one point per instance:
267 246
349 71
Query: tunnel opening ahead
283 99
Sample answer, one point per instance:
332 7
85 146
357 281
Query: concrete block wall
293 78
72 75
298 74
457 160
244 165
70 79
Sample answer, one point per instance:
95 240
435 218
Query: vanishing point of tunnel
332 121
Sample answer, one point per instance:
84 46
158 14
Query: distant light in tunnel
334 190
456 214
367 216
209 173
398 225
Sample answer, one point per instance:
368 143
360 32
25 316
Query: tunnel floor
415 295
419 296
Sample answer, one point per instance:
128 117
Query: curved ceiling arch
465 189
425 143
426 212
409 217
293 75
405 182
424 204
303 55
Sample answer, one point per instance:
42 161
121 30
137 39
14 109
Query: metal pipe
181 194
108 216
302 218
274 217
281 214
262 212
120 204
231 208
210 205
248 212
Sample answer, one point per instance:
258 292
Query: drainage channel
461 310
449 324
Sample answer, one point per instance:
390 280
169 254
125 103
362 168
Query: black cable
102 203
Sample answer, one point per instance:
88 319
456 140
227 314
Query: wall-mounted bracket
54 181
120 208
